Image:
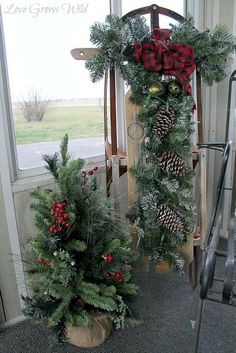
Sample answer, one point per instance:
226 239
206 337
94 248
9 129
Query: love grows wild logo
36 9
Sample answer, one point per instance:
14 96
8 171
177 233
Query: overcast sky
39 35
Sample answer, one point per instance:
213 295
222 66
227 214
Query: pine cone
169 219
172 164
164 121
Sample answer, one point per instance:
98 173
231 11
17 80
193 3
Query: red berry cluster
40 261
118 276
107 258
59 218
89 172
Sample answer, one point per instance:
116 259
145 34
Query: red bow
170 59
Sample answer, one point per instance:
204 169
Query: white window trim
7 116
116 9
6 163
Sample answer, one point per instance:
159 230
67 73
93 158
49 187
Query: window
39 37
44 77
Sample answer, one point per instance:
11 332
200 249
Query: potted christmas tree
80 259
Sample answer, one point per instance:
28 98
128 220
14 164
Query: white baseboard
12 322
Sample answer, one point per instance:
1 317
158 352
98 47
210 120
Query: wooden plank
134 139
105 123
199 109
113 112
84 53
115 161
122 162
186 250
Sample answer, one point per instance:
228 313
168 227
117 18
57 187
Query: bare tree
34 106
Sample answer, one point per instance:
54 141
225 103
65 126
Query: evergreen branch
64 151
107 291
83 318
128 288
76 245
52 164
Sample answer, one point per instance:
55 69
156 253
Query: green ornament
156 89
174 88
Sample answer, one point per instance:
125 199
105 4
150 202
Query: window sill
29 178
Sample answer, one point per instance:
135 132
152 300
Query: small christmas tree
80 259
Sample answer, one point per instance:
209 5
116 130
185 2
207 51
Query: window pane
44 77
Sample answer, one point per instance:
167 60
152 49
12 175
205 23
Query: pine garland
115 39
211 48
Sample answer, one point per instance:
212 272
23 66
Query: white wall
8 284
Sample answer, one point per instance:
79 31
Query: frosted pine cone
164 121
172 164
169 219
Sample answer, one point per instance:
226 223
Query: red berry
90 172
95 169
65 215
39 261
117 276
107 258
67 225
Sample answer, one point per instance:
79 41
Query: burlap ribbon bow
174 59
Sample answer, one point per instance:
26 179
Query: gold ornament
157 89
174 88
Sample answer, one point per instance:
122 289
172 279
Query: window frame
7 116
